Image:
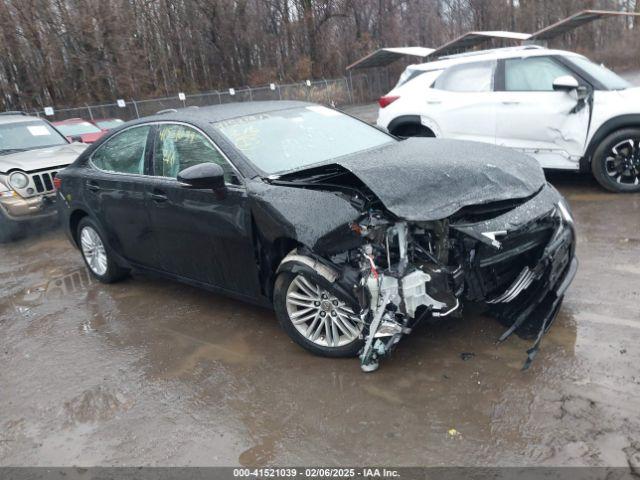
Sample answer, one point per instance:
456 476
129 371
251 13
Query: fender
608 127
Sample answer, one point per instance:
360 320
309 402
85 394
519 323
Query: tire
412 130
346 345
9 230
605 163
101 265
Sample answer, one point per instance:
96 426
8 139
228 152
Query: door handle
434 102
93 186
158 196
510 102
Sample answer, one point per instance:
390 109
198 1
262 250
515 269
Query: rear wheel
315 317
616 161
96 253
412 130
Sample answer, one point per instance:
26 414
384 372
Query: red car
78 129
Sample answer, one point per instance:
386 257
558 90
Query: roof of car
17 118
216 113
495 54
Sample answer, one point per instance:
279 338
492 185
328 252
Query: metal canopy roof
385 56
471 39
576 20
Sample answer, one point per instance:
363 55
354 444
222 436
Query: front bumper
533 310
20 209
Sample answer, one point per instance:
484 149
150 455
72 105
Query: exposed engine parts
398 284
403 272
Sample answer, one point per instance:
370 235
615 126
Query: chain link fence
352 90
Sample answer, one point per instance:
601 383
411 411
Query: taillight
387 100
57 183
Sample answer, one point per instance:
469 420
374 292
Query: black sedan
352 235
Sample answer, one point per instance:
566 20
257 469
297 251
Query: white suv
557 106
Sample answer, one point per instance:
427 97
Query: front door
116 190
535 119
201 235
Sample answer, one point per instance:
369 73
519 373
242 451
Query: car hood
41 158
422 179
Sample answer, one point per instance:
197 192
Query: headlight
18 180
565 211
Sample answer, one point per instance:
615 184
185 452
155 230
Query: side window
124 153
469 77
178 147
532 74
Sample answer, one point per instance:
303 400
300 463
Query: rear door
116 190
461 102
201 235
535 119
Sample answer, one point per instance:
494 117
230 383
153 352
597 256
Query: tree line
71 52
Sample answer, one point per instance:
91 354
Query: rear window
468 77
109 124
79 128
410 74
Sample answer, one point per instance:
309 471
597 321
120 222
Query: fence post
326 89
135 106
90 112
219 97
346 81
250 94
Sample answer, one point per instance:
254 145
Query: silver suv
31 153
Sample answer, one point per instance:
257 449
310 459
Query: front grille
495 270
43 181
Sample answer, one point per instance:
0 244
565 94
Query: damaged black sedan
352 235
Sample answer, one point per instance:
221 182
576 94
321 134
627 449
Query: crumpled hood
423 179
40 158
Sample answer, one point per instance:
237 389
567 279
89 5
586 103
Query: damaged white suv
557 106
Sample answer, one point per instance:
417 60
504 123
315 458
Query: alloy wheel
622 163
93 250
320 316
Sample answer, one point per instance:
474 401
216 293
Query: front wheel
616 161
96 253
315 317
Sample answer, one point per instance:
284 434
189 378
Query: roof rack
14 112
491 50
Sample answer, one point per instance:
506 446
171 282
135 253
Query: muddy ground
150 372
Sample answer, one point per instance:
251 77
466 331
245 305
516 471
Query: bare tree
67 52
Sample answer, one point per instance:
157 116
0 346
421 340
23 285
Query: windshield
290 139
109 124
609 79
80 128
28 135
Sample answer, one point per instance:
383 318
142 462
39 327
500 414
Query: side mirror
75 138
566 83
205 175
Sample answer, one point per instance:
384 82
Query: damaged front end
412 271
515 257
